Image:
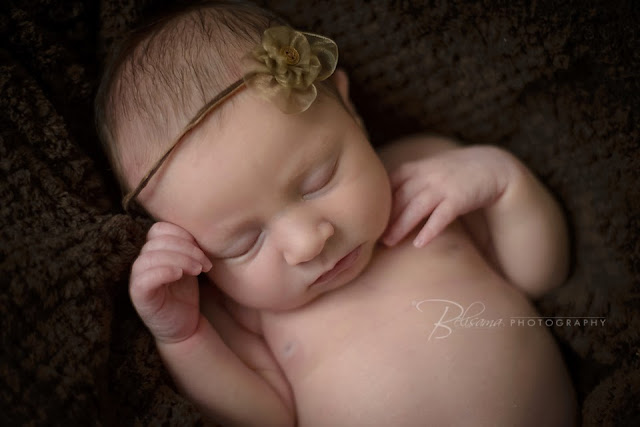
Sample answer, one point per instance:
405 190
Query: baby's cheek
374 187
385 199
222 277
376 200
367 208
252 283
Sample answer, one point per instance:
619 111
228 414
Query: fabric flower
283 68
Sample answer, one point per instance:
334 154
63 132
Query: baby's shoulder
413 147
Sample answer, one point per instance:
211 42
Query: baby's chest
401 343
389 346
387 309
386 360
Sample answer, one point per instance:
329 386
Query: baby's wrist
182 336
504 166
202 337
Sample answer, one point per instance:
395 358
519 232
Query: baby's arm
164 290
220 384
525 227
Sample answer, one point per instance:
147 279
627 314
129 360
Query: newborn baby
295 276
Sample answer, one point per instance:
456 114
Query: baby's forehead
167 77
244 116
252 137
248 156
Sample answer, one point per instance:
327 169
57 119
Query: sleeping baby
294 275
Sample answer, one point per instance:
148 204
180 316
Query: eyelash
245 253
324 182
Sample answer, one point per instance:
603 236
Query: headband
281 69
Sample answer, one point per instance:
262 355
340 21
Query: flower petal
300 43
274 38
285 65
326 51
296 101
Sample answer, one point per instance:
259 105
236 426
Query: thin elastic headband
204 111
281 69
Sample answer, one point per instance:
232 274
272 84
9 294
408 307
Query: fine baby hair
281 69
170 72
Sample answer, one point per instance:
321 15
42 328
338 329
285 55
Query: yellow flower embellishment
283 68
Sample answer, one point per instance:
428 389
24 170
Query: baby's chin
364 257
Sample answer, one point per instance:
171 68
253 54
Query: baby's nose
304 238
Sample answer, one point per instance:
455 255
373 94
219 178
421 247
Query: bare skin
371 353
384 350
341 327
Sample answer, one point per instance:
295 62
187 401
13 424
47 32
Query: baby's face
287 207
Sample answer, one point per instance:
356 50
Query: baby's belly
423 337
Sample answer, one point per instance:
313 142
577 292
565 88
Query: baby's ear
341 80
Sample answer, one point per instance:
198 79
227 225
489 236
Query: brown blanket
555 82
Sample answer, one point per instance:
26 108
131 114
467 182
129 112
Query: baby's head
286 206
160 76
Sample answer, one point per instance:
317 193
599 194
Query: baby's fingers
159 258
147 287
440 218
415 211
406 192
166 228
402 174
180 245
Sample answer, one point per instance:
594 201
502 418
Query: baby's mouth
343 264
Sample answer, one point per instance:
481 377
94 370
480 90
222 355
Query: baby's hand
164 286
443 187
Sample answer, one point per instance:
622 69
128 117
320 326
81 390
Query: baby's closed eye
244 245
317 181
247 242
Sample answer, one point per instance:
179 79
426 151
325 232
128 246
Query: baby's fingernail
207 267
418 241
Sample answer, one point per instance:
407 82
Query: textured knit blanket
555 82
